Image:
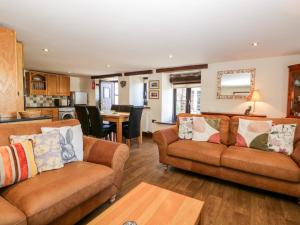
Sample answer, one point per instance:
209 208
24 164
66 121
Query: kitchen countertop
25 119
41 107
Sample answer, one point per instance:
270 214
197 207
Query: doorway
109 94
186 100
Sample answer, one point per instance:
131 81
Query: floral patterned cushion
46 148
185 127
253 133
206 129
281 138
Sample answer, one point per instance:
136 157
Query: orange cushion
270 164
16 163
201 151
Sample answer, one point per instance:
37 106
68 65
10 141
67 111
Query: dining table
116 117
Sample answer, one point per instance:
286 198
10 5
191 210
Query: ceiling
83 36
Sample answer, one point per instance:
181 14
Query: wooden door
64 85
8 71
53 85
20 77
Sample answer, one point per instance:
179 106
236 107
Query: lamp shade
256 96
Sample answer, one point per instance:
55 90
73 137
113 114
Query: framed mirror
235 84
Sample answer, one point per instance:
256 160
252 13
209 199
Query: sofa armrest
111 154
296 153
163 138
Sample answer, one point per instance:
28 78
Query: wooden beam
134 73
185 80
182 68
106 76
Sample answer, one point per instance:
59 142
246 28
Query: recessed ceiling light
45 49
170 56
69 72
254 44
108 66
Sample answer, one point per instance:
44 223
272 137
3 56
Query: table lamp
255 97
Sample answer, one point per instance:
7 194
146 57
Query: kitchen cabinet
42 83
20 77
36 83
8 71
64 85
53 85
58 85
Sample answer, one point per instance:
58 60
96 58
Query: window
186 100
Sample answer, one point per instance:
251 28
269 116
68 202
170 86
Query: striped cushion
16 163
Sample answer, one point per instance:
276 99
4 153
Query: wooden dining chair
83 117
132 129
98 128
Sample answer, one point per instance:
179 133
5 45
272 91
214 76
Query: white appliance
79 98
66 113
63 102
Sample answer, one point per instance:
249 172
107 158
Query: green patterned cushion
206 129
253 133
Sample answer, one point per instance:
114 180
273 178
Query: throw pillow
20 138
71 142
46 148
16 163
206 129
281 138
47 151
185 127
253 133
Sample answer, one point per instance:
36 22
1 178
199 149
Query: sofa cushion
205 152
11 215
270 164
224 124
51 194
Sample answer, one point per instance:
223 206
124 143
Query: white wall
271 79
136 90
159 109
167 98
124 91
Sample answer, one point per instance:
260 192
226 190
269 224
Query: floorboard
226 203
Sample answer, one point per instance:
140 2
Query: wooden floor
225 202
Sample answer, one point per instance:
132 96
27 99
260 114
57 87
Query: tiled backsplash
41 100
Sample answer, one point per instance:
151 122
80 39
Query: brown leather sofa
261 169
66 195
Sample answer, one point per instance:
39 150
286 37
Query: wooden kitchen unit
8 70
43 83
52 112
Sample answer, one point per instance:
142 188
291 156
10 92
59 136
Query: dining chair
83 117
121 108
115 107
98 128
133 128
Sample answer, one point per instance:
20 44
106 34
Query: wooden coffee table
152 205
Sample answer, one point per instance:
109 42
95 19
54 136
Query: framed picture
154 94
153 84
